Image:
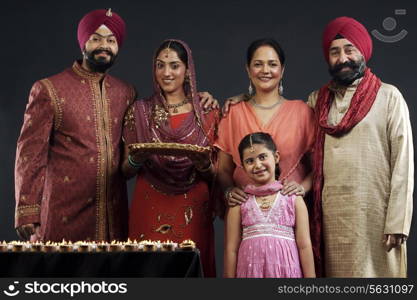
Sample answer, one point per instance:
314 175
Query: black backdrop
38 39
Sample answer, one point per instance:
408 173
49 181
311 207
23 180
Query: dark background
38 39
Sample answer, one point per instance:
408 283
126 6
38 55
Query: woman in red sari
172 197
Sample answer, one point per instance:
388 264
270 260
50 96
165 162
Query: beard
347 77
99 64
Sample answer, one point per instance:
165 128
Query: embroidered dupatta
173 174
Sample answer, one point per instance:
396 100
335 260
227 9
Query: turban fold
94 19
350 29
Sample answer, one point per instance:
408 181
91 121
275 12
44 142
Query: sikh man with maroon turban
68 182
363 163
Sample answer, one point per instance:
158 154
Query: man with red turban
67 177
363 163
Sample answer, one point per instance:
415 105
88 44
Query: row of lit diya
82 246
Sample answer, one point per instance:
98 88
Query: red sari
171 200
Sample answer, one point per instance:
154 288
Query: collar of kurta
80 71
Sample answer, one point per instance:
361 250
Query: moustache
98 51
350 64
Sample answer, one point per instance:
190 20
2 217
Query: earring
250 88
281 88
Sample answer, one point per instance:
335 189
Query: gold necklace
175 106
266 202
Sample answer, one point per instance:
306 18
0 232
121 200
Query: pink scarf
263 190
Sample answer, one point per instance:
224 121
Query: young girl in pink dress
268 235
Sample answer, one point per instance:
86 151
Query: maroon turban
94 19
350 29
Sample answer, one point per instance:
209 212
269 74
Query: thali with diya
169 149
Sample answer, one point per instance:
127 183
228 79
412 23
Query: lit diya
83 246
65 246
35 246
148 245
102 247
115 246
168 246
50 247
187 245
4 247
17 246
130 246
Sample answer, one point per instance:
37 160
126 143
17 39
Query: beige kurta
368 186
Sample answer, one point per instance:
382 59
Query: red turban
94 19
350 29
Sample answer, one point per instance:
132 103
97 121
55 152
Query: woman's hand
232 101
235 196
208 102
291 188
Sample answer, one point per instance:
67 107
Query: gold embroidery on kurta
109 146
164 229
188 215
99 235
129 120
56 103
28 210
76 67
160 115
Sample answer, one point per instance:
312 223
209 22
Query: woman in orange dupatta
290 123
172 198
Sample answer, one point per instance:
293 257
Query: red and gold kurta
67 175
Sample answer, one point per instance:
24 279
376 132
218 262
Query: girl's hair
177 47
260 138
265 42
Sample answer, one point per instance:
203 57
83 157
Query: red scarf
360 105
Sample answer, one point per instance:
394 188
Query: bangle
133 163
204 169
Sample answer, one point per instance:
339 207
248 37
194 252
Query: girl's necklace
266 202
175 106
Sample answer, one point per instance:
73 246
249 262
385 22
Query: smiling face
259 163
101 50
265 69
170 71
346 63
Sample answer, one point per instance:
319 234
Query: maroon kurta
67 173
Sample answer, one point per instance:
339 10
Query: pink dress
268 247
